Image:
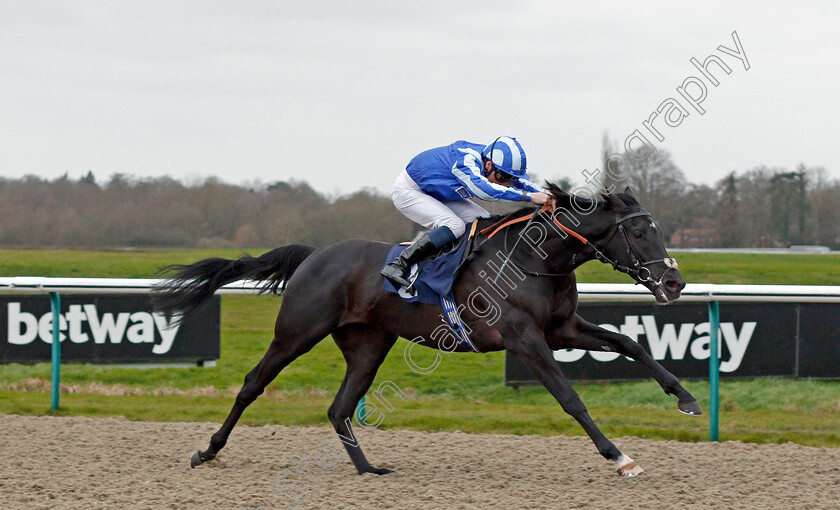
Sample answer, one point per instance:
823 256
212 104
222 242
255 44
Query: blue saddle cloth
436 274
434 285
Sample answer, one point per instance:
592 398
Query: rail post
714 369
55 303
360 410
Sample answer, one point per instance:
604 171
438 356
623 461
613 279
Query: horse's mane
564 200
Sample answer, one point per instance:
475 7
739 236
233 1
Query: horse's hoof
195 459
627 467
378 471
690 408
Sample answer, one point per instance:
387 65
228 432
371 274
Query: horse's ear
614 202
630 194
555 190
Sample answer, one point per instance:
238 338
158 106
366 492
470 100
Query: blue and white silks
455 172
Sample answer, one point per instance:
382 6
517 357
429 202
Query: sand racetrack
71 462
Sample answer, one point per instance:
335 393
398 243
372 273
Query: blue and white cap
508 156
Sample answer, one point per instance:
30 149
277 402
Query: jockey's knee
456 226
444 235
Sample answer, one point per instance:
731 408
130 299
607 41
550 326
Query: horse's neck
558 251
567 251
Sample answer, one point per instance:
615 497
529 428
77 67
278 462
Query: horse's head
634 244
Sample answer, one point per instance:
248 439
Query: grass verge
431 414
466 392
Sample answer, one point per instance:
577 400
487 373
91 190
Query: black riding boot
397 271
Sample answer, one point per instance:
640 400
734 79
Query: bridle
639 271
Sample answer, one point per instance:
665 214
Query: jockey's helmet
507 156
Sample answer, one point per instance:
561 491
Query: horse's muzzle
669 288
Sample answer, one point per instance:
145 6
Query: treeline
163 212
761 207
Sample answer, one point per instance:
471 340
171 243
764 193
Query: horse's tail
192 284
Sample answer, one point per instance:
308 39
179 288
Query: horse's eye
637 234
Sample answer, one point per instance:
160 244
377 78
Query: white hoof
627 467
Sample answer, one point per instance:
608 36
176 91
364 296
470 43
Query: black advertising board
756 339
106 329
819 340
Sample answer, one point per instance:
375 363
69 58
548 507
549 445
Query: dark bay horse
337 290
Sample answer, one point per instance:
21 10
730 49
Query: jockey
435 188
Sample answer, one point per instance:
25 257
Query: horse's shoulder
565 299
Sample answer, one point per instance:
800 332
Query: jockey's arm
526 185
468 171
538 195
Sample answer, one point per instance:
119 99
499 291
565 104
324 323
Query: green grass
695 267
738 268
431 414
466 392
101 263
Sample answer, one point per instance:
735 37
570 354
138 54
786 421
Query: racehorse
337 290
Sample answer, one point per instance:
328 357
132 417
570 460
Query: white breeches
431 212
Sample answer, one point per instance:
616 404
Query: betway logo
673 341
136 327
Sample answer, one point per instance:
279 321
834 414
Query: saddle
432 281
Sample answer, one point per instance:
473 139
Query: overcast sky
343 94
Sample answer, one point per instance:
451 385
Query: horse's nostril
675 285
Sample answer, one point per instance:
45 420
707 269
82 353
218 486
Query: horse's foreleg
364 349
577 333
534 352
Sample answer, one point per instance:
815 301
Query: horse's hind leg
579 334
297 330
364 349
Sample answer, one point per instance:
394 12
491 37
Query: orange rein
501 224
